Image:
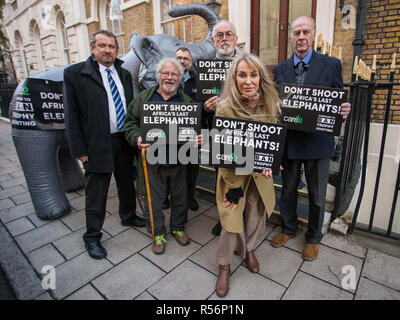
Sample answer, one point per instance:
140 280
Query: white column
239 15
325 19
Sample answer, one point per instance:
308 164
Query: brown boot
252 263
310 252
222 285
280 239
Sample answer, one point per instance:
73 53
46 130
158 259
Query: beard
170 90
225 52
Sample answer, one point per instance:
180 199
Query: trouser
160 179
316 173
96 187
191 177
254 219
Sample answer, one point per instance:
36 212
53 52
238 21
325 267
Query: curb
23 280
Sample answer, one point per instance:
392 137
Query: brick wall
382 37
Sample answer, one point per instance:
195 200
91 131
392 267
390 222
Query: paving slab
174 254
78 203
244 285
278 264
343 243
77 272
73 244
11 192
19 226
13 182
6 204
38 222
21 198
382 268
306 287
369 290
125 245
145 296
212 212
187 282
112 224
43 256
207 257
329 266
297 243
128 279
45 297
36 238
75 220
112 205
86 293
199 229
17 212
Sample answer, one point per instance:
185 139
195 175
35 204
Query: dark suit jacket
86 113
323 71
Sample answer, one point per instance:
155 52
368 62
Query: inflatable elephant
36 113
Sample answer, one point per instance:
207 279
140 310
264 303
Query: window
21 56
39 48
63 38
179 27
113 15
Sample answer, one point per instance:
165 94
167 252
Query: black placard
156 118
39 106
239 141
211 74
312 109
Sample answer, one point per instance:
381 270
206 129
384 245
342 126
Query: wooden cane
146 179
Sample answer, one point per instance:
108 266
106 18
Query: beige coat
232 221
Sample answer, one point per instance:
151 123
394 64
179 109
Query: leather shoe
252 263
181 237
216 231
222 286
310 252
95 250
194 205
280 239
135 222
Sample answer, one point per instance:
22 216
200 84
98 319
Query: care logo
299 119
213 91
227 157
296 119
156 133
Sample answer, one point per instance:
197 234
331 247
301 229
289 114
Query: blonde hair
232 99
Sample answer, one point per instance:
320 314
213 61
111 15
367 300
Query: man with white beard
224 39
162 175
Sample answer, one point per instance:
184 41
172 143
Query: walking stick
146 179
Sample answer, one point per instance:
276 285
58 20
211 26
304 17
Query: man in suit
306 67
96 93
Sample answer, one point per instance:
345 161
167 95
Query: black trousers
316 173
97 184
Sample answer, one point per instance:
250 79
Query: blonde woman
243 200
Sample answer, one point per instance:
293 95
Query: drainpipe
358 41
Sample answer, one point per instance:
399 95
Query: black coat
86 113
323 71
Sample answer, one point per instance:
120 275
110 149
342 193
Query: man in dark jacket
306 67
165 174
96 93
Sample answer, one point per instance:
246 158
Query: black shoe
136 222
166 205
216 231
194 205
95 250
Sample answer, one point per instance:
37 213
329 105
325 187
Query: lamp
215 6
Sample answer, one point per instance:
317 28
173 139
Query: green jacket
132 128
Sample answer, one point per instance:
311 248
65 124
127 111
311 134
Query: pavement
348 267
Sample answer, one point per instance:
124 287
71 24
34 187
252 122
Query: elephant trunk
196 9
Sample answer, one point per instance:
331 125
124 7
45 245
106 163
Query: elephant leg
37 151
70 173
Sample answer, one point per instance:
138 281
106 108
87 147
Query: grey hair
105 32
162 62
219 22
308 17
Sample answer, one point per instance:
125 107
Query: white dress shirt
111 106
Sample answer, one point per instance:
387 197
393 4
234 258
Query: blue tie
119 107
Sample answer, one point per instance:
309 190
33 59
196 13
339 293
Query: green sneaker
181 237
159 244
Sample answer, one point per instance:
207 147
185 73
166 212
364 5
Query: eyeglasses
229 35
172 74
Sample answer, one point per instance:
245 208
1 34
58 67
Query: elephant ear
145 49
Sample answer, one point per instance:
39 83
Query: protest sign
158 117
39 106
312 109
251 144
211 74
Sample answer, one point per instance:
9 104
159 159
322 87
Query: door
270 26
